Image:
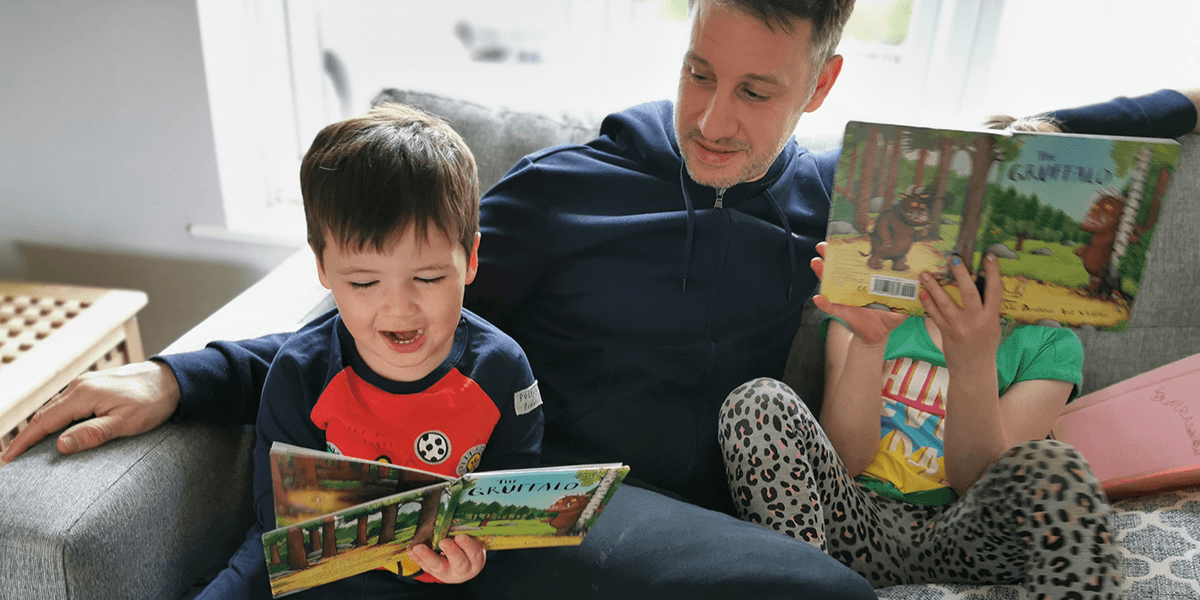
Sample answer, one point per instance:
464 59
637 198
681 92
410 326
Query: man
646 275
635 354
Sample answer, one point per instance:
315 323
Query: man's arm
220 384
1163 114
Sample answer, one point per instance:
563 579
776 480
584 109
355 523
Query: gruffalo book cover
1069 216
338 516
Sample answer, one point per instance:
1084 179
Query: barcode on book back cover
893 287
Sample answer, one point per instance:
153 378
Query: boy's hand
124 401
870 326
462 558
973 329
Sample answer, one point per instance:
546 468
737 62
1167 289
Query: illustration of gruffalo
1102 221
897 228
568 509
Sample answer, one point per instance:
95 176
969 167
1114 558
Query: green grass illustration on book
339 516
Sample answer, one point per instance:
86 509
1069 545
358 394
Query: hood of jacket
649 130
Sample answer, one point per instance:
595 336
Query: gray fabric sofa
144 517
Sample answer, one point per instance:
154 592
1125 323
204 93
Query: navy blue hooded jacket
642 303
639 304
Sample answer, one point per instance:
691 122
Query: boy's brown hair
368 178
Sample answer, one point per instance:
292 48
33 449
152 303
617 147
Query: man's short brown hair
828 18
367 179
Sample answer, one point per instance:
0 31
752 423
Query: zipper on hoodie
720 198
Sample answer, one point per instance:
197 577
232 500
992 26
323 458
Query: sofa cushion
498 138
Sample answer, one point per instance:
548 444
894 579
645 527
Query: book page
373 535
535 507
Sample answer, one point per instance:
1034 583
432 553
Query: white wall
106 156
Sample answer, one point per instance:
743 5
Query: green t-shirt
909 464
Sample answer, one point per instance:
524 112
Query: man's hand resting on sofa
113 403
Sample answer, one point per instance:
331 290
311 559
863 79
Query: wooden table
51 334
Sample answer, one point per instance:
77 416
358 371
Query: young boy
391 200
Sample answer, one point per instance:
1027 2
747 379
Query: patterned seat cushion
1160 537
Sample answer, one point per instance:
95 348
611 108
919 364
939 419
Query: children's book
1070 218
339 516
1141 435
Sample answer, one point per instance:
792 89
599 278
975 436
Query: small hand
869 325
462 559
119 402
973 329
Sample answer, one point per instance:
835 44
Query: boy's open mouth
405 340
404 337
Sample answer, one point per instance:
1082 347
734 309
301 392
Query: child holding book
952 481
399 371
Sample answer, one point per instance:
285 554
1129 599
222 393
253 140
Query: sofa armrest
139 517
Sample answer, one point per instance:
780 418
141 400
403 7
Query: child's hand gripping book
1070 218
339 516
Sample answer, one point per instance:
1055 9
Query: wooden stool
51 334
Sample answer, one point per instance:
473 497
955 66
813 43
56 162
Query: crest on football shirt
470 460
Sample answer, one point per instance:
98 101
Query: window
280 71
252 97
1067 53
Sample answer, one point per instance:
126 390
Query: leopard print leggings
1036 516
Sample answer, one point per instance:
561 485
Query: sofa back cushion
497 138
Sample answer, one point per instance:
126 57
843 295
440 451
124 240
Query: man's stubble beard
751 171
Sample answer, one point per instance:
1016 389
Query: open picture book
338 516
1070 218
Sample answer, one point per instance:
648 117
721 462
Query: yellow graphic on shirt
912 422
